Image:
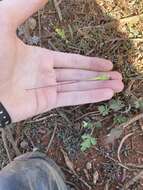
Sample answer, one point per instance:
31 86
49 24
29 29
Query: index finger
75 61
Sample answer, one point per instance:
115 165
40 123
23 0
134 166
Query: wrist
8 100
18 107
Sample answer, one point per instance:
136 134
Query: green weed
104 110
119 119
87 125
139 104
98 125
116 105
88 142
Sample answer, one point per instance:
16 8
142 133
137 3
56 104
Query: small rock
34 40
24 144
88 165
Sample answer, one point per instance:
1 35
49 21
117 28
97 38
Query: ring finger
115 85
77 74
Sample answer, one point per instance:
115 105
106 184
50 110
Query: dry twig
39 23
107 186
121 144
12 141
135 166
133 180
56 4
131 18
52 138
4 138
112 159
85 115
134 119
71 167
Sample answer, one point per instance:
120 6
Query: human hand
27 71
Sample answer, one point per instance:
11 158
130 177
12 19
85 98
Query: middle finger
77 74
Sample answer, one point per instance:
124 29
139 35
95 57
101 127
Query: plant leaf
88 141
85 136
119 119
98 125
103 109
139 104
93 141
86 144
87 125
61 33
116 105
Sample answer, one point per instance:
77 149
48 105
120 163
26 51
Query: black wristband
5 118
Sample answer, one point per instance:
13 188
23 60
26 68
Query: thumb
20 10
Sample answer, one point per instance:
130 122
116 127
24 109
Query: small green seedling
98 125
119 119
104 110
87 125
61 33
116 105
88 142
139 104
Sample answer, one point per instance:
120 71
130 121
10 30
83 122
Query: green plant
98 125
119 119
139 104
87 125
104 110
116 105
88 142
61 33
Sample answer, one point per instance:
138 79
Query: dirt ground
111 29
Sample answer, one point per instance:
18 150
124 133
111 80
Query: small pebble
24 144
88 166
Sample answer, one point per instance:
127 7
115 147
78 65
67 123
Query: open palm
28 74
